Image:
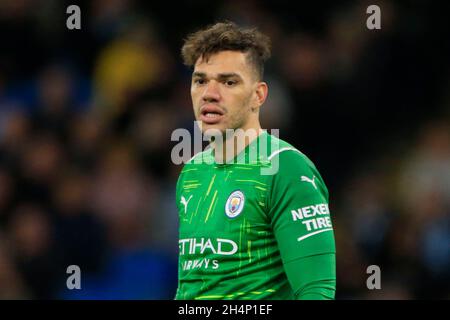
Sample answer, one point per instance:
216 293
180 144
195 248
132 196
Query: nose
212 92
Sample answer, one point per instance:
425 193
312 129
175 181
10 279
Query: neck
232 142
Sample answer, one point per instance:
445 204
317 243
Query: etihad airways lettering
200 263
200 245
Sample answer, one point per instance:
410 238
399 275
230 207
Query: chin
210 130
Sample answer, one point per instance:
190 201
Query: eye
199 81
230 83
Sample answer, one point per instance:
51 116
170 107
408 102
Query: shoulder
293 171
195 166
287 158
193 169
200 158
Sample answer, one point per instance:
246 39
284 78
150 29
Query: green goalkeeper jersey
257 227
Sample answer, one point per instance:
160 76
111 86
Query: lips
211 114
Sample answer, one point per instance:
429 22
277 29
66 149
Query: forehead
224 62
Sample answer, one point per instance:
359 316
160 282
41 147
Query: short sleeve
298 208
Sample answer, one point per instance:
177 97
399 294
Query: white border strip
314 233
281 150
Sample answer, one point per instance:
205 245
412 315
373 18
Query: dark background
86 118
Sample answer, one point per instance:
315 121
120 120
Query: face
226 93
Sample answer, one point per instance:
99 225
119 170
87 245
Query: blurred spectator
6 194
134 62
108 17
86 134
80 236
55 99
39 166
15 129
11 282
32 241
368 214
425 186
427 170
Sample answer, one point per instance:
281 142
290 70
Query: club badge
235 204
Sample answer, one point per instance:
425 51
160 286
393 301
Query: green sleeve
178 188
300 218
313 277
177 201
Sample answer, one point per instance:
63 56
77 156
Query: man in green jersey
254 217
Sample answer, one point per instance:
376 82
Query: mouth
211 114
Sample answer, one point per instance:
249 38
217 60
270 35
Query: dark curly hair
227 36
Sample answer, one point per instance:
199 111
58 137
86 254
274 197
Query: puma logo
313 182
185 203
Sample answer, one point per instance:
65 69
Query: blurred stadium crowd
86 118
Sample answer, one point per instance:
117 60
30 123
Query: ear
262 90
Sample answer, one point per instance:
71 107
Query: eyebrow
220 76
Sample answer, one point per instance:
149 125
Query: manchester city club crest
235 204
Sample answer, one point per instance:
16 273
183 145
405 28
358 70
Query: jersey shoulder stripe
278 146
200 157
273 154
287 157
